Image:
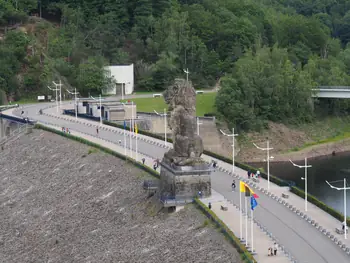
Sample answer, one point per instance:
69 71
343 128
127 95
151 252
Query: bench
285 195
199 92
340 231
255 180
157 95
224 208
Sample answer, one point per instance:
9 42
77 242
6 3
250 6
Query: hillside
268 54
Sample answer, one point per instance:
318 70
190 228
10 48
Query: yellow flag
242 187
136 129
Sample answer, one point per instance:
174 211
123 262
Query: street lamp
75 99
304 178
100 99
339 189
165 124
187 72
233 147
198 123
59 85
268 160
56 96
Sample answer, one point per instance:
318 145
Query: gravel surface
62 201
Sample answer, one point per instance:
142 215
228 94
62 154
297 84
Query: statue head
181 93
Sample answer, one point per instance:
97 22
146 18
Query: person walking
233 186
209 205
97 131
249 173
257 174
143 161
275 247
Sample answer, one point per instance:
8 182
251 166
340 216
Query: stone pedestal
184 182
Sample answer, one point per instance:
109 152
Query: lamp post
233 135
123 87
339 189
268 160
100 99
187 72
60 89
75 101
198 123
304 178
56 89
165 124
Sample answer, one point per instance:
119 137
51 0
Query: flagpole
251 230
124 138
240 214
246 222
130 139
137 135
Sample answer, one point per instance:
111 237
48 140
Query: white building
122 80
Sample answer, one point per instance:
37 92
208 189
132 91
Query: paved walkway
231 218
305 242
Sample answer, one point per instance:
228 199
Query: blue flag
124 125
253 202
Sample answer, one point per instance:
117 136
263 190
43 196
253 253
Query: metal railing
13 134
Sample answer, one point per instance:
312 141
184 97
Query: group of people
252 175
65 130
273 251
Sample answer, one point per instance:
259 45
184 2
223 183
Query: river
330 168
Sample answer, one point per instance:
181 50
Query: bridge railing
333 87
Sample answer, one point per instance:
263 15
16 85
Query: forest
267 54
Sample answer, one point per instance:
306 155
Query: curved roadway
304 242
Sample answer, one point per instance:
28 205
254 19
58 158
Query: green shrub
246 256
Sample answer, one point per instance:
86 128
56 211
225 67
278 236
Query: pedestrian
257 174
214 164
275 247
155 167
269 252
63 129
200 194
233 186
143 161
249 173
97 131
120 142
209 205
67 130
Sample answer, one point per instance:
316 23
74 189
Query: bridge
332 92
306 240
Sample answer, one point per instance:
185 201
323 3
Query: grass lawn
25 101
205 104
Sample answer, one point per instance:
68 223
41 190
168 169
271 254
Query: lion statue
188 146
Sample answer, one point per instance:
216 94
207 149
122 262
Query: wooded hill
268 53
